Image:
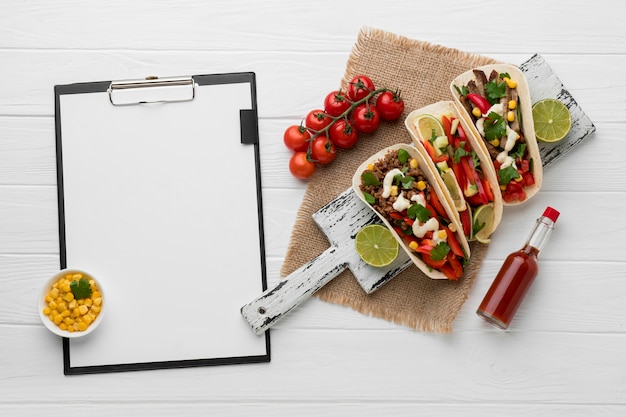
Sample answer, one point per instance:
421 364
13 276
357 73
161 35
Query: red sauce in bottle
516 275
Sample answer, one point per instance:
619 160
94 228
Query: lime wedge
449 179
483 219
427 126
376 245
552 120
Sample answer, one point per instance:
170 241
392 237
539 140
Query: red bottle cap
551 213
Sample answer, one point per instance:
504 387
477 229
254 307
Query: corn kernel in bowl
71 303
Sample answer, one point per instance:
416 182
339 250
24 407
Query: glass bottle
516 275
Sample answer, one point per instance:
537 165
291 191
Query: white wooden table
565 352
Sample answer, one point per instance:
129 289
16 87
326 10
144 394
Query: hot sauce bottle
516 275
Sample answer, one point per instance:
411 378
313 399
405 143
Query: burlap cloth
423 72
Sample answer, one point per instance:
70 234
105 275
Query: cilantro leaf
504 75
419 212
495 126
476 159
507 174
518 151
406 181
369 178
463 91
369 198
80 288
440 251
459 153
495 90
403 156
477 227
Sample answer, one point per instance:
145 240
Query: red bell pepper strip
479 183
455 247
430 149
480 102
428 260
447 128
487 188
436 204
456 265
448 271
466 221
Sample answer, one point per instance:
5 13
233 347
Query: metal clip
152 90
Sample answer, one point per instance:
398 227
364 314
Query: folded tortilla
526 122
449 109
431 177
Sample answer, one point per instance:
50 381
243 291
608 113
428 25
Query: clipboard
159 197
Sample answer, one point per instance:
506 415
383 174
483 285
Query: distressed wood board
544 83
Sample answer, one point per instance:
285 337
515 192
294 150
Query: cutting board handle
275 303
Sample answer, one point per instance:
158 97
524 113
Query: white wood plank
236 25
286 408
340 366
289 84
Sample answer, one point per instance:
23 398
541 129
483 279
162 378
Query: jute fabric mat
423 72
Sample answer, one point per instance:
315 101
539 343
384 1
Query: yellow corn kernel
87 319
95 309
413 163
48 298
413 245
64 286
519 179
370 167
476 112
88 302
421 185
77 276
510 83
97 301
63 326
512 104
452 227
54 293
61 307
82 326
66 313
68 321
58 319
81 301
46 311
68 297
72 305
510 116
75 313
70 329
503 187
95 294
495 142
52 305
83 310
394 190
442 234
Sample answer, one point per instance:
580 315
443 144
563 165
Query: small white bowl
41 304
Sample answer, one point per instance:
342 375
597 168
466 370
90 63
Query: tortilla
449 109
525 107
431 177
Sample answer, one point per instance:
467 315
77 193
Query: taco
402 189
465 170
496 100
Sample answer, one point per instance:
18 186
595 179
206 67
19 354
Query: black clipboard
159 197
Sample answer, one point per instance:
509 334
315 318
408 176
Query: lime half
376 245
552 120
427 126
483 221
449 179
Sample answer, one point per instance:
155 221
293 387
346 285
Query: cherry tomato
300 166
366 118
336 103
317 120
359 87
343 134
323 150
390 105
296 138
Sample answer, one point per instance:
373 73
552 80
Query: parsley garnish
369 198
495 126
369 178
403 156
406 181
419 212
507 174
80 289
518 151
460 152
495 90
440 251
